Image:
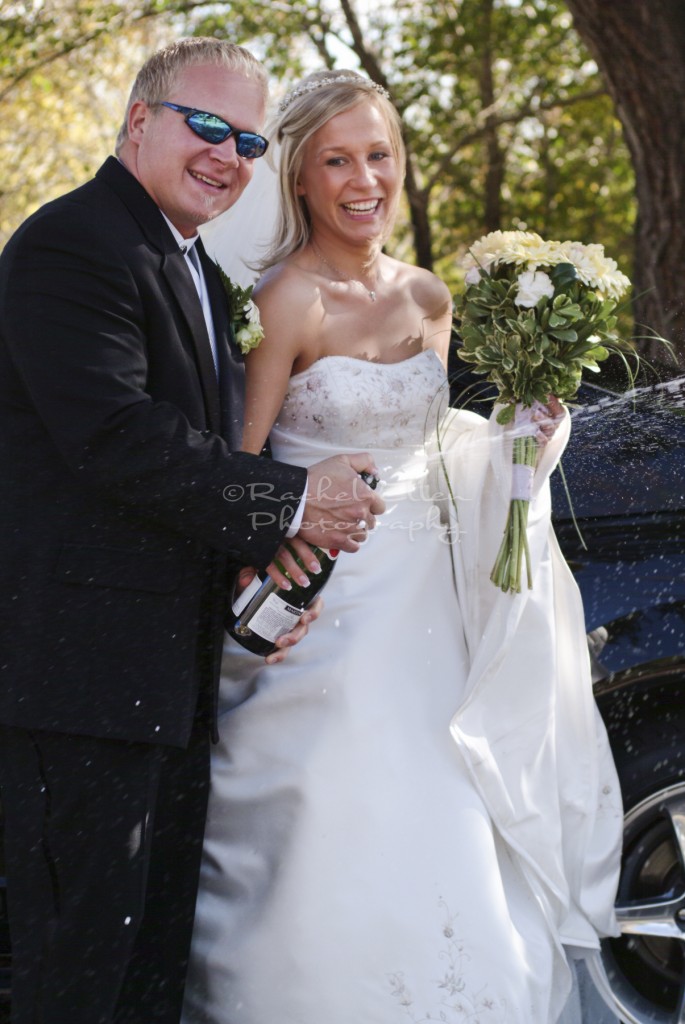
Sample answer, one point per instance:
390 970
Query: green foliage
60 115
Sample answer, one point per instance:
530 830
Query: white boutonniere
244 314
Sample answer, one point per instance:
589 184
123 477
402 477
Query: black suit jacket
123 500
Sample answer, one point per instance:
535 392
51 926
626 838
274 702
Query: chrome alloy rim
641 975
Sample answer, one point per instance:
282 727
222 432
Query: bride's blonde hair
318 98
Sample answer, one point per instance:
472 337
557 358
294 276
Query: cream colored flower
252 313
500 247
251 333
596 270
535 252
533 284
249 337
526 248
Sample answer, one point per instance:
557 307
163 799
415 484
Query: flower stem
506 572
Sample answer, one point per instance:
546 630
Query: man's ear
137 119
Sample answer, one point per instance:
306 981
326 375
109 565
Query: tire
641 974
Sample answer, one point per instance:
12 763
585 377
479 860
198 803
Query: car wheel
641 975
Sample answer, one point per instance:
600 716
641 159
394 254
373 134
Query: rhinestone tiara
320 83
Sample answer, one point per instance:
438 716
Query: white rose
533 284
472 276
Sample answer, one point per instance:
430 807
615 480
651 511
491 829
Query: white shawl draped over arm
528 728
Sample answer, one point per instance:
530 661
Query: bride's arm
268 367
433 297
267 371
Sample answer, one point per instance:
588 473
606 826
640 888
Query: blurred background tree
66 68
640 47
508 120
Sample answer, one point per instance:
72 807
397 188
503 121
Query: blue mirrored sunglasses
214 129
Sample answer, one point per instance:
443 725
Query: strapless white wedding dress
367 860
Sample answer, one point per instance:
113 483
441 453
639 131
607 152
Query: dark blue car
625 471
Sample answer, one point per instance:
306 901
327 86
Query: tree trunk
420 219
640 47
494 171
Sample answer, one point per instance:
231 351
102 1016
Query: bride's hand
284 566
308 616
540 420
286 562
548 417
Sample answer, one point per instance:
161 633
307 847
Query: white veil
242 234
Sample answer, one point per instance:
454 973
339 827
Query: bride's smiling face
350 178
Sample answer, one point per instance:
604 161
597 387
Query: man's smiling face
191 180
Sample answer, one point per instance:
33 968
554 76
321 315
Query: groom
126 508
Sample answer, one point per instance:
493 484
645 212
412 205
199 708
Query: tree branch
490 120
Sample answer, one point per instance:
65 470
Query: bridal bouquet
534 315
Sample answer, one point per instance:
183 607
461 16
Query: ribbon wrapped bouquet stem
506 572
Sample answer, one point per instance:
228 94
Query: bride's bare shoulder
427 290
289 310
285 283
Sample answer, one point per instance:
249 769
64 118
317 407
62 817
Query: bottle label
274 618
246 595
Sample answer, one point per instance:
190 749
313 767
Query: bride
415 817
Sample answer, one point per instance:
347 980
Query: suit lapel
175 271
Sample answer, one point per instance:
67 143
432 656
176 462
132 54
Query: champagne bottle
264 611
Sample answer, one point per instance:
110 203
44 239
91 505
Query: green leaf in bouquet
562 274
473 339
579 350
506 414
564 335
585 330
573 311
599 353
489 291
477 356
553 361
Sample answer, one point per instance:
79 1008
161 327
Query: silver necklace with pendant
371 292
